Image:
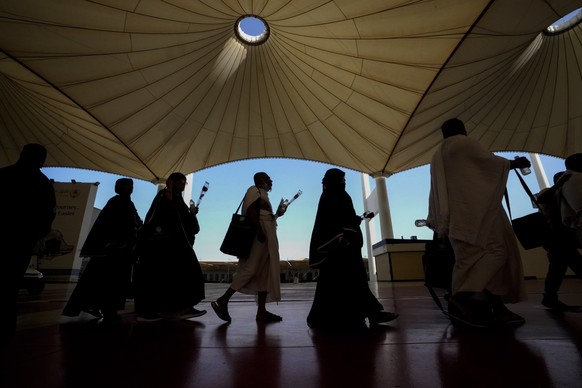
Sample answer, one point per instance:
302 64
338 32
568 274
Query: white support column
384 208
370 228
538 169
188 188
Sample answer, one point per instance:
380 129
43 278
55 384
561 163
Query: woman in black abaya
104 284
168 276
342 297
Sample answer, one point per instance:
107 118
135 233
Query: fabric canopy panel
143 88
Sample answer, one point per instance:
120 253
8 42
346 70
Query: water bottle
525 170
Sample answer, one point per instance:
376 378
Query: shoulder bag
239 236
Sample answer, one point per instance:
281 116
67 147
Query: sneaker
148 318
192 313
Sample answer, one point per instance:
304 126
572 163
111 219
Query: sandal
269 317
221 312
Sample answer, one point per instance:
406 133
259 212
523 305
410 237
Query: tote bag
239 236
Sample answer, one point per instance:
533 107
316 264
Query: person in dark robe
342 296
105 281
28 206
168 277
561 246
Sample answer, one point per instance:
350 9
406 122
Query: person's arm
253 213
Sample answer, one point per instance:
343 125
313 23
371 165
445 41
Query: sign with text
59 256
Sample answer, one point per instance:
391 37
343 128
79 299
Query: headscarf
176 176
120 183
333 180
33 155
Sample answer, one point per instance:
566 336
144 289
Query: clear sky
407 194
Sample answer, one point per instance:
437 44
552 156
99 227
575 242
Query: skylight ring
251 39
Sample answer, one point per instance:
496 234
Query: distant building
292 271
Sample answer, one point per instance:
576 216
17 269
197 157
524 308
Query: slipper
221 312
269 317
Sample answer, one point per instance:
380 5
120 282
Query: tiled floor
420 349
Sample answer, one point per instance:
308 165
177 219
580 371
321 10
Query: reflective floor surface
420 349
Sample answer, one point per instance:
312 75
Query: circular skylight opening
251 29
565 23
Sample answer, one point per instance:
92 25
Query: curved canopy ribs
143 88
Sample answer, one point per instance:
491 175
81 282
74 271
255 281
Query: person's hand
194 209
281 210
368 214
520 162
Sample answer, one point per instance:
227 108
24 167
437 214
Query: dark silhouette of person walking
28 209
260 273
168 278
467 186
104 284
562 244
342 296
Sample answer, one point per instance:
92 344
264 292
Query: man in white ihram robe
260 273
465 205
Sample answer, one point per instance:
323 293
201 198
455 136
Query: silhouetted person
571 195
260 273
168 277
105 282
28 210
562 246
342 297
467 187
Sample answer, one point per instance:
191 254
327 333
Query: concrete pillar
386 230
539 171
370 229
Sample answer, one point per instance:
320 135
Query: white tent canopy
143 88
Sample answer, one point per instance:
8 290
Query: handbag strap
239 205
527 190
242 200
